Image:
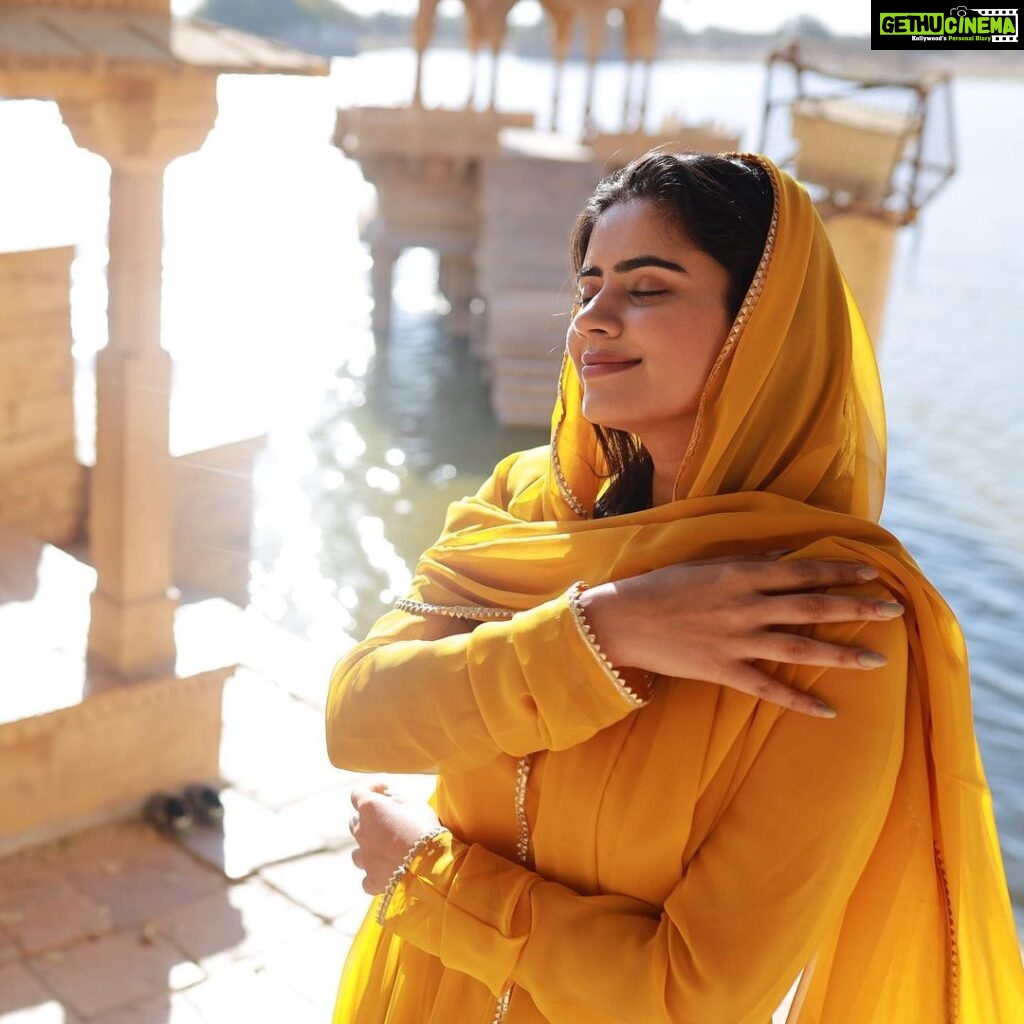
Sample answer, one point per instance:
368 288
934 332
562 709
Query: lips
596 364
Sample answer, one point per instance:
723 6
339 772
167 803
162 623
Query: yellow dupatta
789 451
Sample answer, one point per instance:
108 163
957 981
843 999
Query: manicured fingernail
823 710
867 572
889 609
872 659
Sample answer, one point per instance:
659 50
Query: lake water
267 314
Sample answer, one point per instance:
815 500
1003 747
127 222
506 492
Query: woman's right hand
712 620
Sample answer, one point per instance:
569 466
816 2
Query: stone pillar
422 33
563 22
596 17
640 36
645 95
384 258
457 283
864 246
138 126
627 94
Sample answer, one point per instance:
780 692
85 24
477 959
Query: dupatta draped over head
788 451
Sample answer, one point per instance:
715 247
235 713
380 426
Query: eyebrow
634 263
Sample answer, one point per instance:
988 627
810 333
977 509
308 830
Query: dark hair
724 206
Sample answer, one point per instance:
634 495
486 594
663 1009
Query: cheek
720 319
710 329
574 345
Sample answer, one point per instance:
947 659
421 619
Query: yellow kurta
684 860
629 909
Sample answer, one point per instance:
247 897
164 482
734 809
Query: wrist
396 876
596 605
633 684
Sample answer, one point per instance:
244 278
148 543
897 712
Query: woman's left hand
385 827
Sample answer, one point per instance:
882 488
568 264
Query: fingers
805 609
811 573
800 573
758 684
357 855
360 794
802 650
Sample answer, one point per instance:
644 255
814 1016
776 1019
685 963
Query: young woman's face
651 322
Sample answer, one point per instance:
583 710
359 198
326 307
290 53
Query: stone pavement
121 924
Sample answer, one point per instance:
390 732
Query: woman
699 723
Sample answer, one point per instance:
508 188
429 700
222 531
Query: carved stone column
139 126
864 246
457 283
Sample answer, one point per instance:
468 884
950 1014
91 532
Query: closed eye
582 298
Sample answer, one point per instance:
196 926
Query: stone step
77 747
99 759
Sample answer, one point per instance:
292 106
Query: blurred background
349 427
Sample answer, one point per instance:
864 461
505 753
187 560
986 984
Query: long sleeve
412 699
752 903
422 693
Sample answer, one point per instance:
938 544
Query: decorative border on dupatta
474 612
563 485
749 301
953 950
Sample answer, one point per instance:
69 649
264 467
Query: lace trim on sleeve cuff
610 670
403 869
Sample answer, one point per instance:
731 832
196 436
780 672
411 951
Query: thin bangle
580 618
396 875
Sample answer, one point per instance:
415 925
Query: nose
598 315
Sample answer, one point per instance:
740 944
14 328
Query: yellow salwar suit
682 857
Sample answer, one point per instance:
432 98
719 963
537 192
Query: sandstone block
34 328
113 748
45 414
35 280
37 373
27 453
133 639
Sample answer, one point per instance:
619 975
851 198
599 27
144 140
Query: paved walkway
247 923
121 924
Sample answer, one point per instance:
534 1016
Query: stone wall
529 201
42 487
102 757
213 519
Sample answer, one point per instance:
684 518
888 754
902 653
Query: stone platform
249 921
121 924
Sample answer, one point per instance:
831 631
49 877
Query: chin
601 415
